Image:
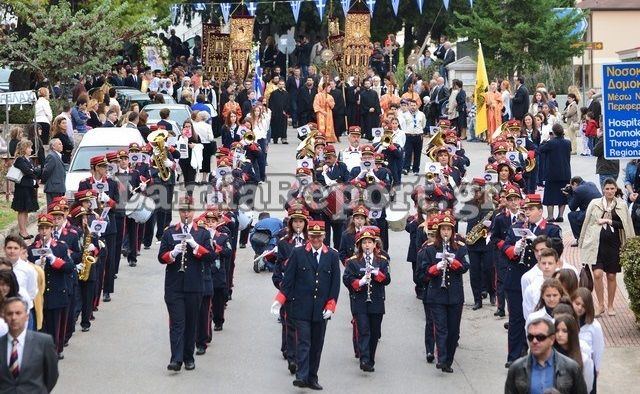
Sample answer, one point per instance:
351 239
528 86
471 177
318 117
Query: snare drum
140 208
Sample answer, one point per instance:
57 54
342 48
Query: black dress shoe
439 366
314 385
293 367
174 366
66 344
242 246
132 263
106 297
300 383
200 351
285 143
492 299
447 369
85 329
147 247
559 220
477 306
507 364
484 295
189 365
366 367
499 313
217 328
60 356
430 358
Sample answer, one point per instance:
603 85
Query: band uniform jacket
56 291
453 293
309 286
337 172
127 182
285 247
347 246
71 236
354 271
222 252
38 369
515 269
113 194
192 279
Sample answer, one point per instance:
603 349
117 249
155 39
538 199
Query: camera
567 189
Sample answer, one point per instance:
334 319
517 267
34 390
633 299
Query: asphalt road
127 349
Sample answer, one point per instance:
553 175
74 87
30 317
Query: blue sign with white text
621 110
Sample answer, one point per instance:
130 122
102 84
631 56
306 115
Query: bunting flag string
295 9
395 4
446 4
225 8
420 3
252 6
371 4
321 5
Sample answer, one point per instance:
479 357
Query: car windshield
177 115
85 153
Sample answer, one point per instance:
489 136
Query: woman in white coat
607 225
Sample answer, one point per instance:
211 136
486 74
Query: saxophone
478 231
87 259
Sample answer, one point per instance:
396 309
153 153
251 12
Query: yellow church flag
482 84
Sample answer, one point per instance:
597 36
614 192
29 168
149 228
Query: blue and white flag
420 3
395 4
295 9
446 4
345 6
471 3
371 4
252 7
225 8
257 77
321 4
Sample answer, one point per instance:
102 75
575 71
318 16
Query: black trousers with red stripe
55 324
131 240
288 346
369 332
218 302
429 330
203 330
87 293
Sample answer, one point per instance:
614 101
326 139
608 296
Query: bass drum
140 208
397 219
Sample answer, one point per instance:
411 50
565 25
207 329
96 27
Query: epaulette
352 258
282 238
382 257
461 243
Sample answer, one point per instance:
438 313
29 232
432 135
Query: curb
13 227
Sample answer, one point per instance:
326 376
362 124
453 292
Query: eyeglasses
539 337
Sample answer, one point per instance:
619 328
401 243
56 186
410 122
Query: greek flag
257 77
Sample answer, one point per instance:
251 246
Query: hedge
630 260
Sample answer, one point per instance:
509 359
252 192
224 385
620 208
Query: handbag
586 277
14 174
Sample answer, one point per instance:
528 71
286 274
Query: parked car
96 142
143 99
179 113
5 73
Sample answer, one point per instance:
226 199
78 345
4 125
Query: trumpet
430 176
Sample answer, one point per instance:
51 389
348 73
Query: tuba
87 259
436 141
306 147
158 139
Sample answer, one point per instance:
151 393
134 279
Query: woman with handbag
26 194
606 227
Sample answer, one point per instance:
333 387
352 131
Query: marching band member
57 265
351 155
500 228
359 219
81 218
414 128
445 260
444 158
106 198
521 258
480 253
296 237
184 282
333 175
163 187
393 151
312 285
132 181
365 276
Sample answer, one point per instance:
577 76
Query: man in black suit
311 285
339 122
293 86
32 364
133 79
369 109
449 57
54 173
593 105
520 101
112 118
440 50
439 95
579 197
306 95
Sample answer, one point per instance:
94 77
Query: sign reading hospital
621 110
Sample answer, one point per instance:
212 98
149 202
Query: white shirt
204 131
114 103
399 137
27 278
21 338
414 123
43 111
593 336
4 328
319 251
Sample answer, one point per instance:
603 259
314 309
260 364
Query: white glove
275 308
519 247
362 174
50 258
101 244
104 197
192 242
91 248
179 248
487 223
143 186
440 266
79 267
375 271
362 281
326 314
168 163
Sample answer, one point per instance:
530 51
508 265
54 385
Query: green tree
519 36
60 43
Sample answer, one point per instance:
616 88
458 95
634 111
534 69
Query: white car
177 115
95 142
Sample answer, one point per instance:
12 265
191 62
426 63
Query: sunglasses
539 337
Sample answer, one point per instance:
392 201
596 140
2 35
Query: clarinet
368 268
184 247
443 282
524 250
